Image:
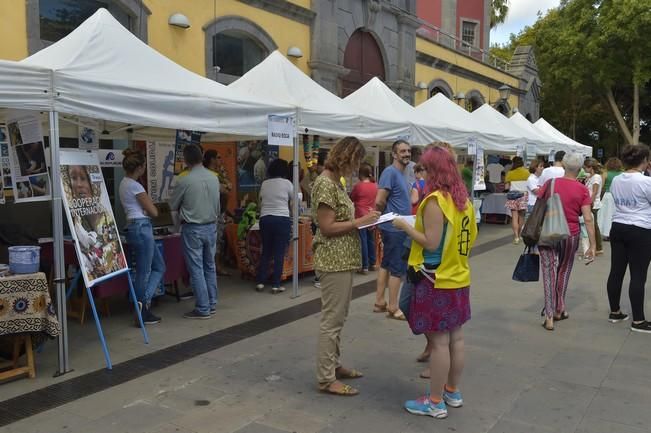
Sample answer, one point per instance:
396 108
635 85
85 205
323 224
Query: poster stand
98 325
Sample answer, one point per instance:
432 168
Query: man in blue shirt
393 196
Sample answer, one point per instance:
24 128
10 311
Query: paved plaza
587 376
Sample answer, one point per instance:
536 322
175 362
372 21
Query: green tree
499 11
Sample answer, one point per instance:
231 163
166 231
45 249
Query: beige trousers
336 293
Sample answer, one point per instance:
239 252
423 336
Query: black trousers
631 247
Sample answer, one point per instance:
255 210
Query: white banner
29 176
480 171
90 216
550 157
160 170
280 130
472 146
519 150
110 157
88 134
531 151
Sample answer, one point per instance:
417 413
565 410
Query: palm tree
499 11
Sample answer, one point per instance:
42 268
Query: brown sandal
380 308
348 373
396 314
345 390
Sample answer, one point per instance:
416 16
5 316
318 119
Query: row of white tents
102 71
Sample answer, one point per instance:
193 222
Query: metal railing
448 40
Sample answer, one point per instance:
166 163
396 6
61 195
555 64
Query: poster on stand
29 174
531 151
160 170
88 134
519 150
90 217
183 138
472 146
480 169
551 155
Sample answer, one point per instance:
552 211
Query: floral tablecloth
25 306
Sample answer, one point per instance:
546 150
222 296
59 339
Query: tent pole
57 246
295 211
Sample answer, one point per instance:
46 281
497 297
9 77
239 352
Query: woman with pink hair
442 237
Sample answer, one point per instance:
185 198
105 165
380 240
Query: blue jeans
275 232
199 245
393 251
367 238
150 266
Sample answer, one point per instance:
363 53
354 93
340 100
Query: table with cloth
493 208
27 316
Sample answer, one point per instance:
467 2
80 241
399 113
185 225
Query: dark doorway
364 59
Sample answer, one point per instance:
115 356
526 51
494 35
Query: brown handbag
532 228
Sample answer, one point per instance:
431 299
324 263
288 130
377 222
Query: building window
468 33
51 20
57 18
236 53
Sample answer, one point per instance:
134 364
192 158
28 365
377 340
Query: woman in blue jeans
140 235
276 194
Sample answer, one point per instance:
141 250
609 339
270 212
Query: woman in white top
594 184
533 183
275 223
138 207
630 236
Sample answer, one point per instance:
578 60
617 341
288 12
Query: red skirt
438 310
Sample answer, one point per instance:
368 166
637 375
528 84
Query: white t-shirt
551 173
533 183
129 188
494 172
632 195
275 195
595 179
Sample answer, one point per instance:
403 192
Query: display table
494 209
28 316
247 251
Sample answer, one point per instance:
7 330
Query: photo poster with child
183 138
29 172
160 170
90 216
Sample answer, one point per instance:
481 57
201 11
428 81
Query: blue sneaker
453 399
425 406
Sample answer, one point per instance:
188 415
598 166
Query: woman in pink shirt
556 262
363 197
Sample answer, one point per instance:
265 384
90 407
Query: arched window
474 100
234 45
364 59
440 86
51 20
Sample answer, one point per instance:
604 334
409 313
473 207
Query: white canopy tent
25 87
102 71
534 133
489 115
461 125
378 99
544 126
318 111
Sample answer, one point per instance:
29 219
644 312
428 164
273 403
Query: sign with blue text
280 130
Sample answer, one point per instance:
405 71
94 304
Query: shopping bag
528 267
554 227
531 231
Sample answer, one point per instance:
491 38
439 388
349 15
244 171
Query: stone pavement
586 376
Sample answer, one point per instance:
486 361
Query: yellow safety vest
454 271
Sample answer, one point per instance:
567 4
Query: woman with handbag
557 258
442 238
517 198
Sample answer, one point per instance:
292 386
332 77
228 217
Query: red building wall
472 10
430 11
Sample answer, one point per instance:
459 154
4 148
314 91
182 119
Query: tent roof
25 87
103 71
319 111
489 115
544 126
534 132
462 125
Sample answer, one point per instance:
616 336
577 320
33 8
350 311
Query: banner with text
90 217
480 171
160 170
183 138
280 130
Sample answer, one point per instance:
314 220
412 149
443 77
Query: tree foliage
595 64
499 11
